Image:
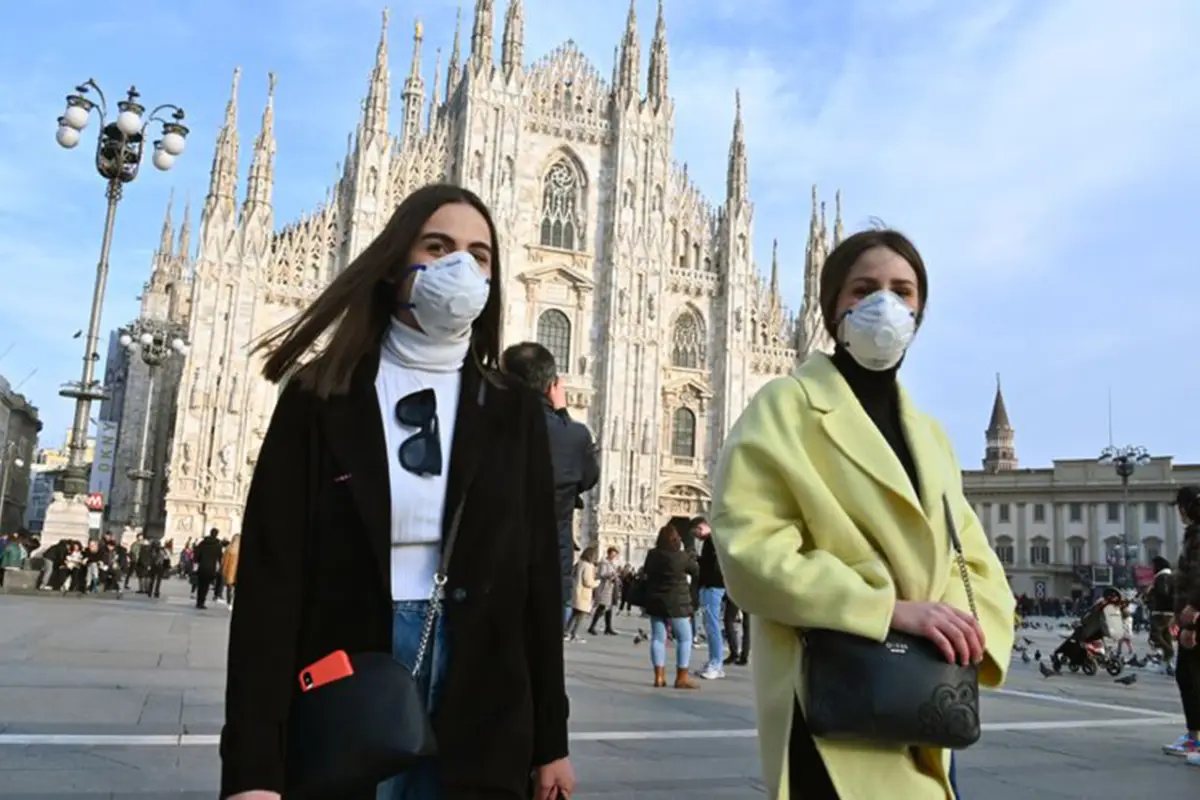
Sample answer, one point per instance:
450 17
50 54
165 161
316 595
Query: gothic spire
774 270
1000 455
631 56
839 231
656 79
482 36
454 71
375 109
262 167
512 54
184 250
166 240
222 183
435 96
414 90
737 178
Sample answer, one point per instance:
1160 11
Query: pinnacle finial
271 81
418 29
386 16
237 79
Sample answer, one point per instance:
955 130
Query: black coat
314 577
207 554
576 470
668 592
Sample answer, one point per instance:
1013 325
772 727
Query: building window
683 433
1076 547
562 204
1151 512
1113 512
554 333
1075 512
687 342
1039 512
1005 513
1152 549
1005 551
1039 552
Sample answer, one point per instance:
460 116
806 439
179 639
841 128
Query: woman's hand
956 633
555 781
257 794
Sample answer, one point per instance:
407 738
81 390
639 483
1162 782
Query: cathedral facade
645 291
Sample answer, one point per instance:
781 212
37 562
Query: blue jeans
710 602
421 782
682 628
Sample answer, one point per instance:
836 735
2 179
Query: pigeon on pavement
1127 680
1046 671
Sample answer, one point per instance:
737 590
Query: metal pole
7 463
142 475
77 461
1130 549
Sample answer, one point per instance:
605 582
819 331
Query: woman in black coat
669 572
397 425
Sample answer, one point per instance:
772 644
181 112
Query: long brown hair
361 299
668 538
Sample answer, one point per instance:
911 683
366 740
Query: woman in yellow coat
828 514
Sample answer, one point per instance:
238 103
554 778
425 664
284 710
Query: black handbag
901 691
352 734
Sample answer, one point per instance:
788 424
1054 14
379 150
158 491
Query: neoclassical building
645 290
1056 529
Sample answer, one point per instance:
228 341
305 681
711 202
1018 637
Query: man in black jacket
572 451
207 553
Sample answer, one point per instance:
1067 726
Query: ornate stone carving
194 394
185 458
225 460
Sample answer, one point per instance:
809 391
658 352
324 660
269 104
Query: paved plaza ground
122 699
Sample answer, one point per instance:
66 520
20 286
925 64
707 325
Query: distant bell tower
1000 454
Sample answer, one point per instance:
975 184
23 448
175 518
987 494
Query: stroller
1084 649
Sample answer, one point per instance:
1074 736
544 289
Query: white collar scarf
416 350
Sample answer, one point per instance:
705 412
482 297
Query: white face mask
877 331
448 295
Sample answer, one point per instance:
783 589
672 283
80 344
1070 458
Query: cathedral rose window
561 206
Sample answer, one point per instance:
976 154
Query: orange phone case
332 667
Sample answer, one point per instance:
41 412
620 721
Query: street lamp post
9 461
155 341
119 148
1126 460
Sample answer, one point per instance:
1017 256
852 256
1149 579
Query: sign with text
104 461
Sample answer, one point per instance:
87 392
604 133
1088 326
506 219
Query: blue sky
1042 155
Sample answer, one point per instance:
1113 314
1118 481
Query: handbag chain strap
437 594
952 529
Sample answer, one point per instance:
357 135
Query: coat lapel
853 432
355 434
468 444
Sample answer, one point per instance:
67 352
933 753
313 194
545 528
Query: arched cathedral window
562 207
687 342
683 433
554 333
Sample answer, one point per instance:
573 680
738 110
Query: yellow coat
817 525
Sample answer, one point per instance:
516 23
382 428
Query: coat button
458 595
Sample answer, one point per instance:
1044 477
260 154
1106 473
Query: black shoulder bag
352 734
899 691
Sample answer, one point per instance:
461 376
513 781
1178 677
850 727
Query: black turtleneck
879 396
